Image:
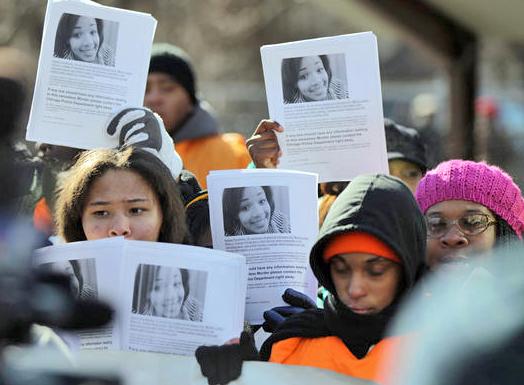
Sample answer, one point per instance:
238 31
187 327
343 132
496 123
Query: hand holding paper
223 364
263 145
326 93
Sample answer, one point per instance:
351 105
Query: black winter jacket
380 205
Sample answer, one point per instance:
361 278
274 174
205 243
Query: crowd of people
379 237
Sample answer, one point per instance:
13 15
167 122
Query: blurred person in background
18 170
54 159
406 153
423 116
171 92
39 179
18 194
492 141
472 329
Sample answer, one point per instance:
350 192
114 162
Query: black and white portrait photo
314 78
169 292
87 39
81 273
256 210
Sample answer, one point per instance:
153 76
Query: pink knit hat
476 182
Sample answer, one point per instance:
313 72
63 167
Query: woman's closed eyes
374 268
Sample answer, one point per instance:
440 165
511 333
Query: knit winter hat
405 143
476 182
358 242
174 61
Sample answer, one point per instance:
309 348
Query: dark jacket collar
380 205
200 123
357 332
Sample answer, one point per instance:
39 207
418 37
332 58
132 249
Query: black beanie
174 61
405 143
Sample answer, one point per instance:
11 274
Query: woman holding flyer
127 192
169 294
369 255
251 210
310 79
81 38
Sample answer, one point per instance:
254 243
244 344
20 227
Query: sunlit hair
64 32
75 185
231 200
290 70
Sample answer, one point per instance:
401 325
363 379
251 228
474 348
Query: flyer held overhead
88 69
326 94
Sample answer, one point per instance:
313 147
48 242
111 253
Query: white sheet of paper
270 217
217 282
136 368
99 266
326 94
80 82
168 298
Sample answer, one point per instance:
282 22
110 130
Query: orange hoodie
215 152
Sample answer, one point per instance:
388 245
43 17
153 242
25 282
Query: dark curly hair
75 184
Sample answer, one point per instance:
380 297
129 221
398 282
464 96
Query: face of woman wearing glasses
454 243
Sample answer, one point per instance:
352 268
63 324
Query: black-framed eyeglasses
470 224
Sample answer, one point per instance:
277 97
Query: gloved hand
141 127
298 303
223 364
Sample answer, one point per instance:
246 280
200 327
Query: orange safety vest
331 353
216 152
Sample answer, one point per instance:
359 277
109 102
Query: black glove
298 303
223 364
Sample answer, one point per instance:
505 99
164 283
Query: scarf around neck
358 332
